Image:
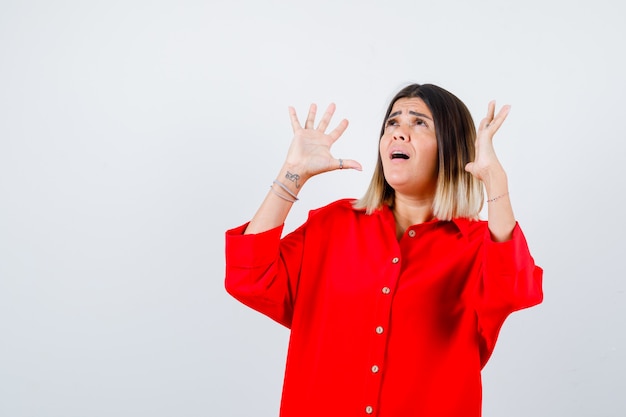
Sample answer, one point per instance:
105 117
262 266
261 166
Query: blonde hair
458 193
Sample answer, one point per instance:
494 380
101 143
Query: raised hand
309 153
488 169
486 163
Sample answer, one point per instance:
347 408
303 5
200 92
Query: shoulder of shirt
344 209
345 205
469 227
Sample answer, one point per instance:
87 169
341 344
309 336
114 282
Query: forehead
415 104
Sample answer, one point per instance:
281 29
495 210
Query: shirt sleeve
510 281
262 270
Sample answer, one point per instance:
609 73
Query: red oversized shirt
381 327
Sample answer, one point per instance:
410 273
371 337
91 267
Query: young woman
395 300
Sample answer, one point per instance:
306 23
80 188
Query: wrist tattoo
293 178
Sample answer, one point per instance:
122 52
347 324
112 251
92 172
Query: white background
134 134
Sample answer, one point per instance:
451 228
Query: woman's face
408 149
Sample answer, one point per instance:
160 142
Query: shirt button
386 290
369 409
374 369
379 329
411 233
395 260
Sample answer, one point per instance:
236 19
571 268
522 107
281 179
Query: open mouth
399 155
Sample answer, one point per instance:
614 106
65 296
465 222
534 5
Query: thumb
348 164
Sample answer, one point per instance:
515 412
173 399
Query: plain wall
133 134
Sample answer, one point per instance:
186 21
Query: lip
394 150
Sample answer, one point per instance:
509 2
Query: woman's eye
391 122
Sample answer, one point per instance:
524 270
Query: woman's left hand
486 163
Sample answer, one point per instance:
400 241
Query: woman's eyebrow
414 113
411 112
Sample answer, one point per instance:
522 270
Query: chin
397 184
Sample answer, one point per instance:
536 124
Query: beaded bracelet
491 200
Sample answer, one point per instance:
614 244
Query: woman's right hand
309 152
308 155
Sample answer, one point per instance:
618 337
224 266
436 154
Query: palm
310 148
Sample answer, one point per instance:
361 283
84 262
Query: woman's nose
401 134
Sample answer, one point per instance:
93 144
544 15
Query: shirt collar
462 224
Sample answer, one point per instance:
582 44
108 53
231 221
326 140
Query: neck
410 211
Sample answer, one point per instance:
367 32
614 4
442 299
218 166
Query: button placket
380 334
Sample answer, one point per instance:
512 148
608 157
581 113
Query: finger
491 109
348 164
503 113
328 114
486 121
338 131
295 123
500 118
310 119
